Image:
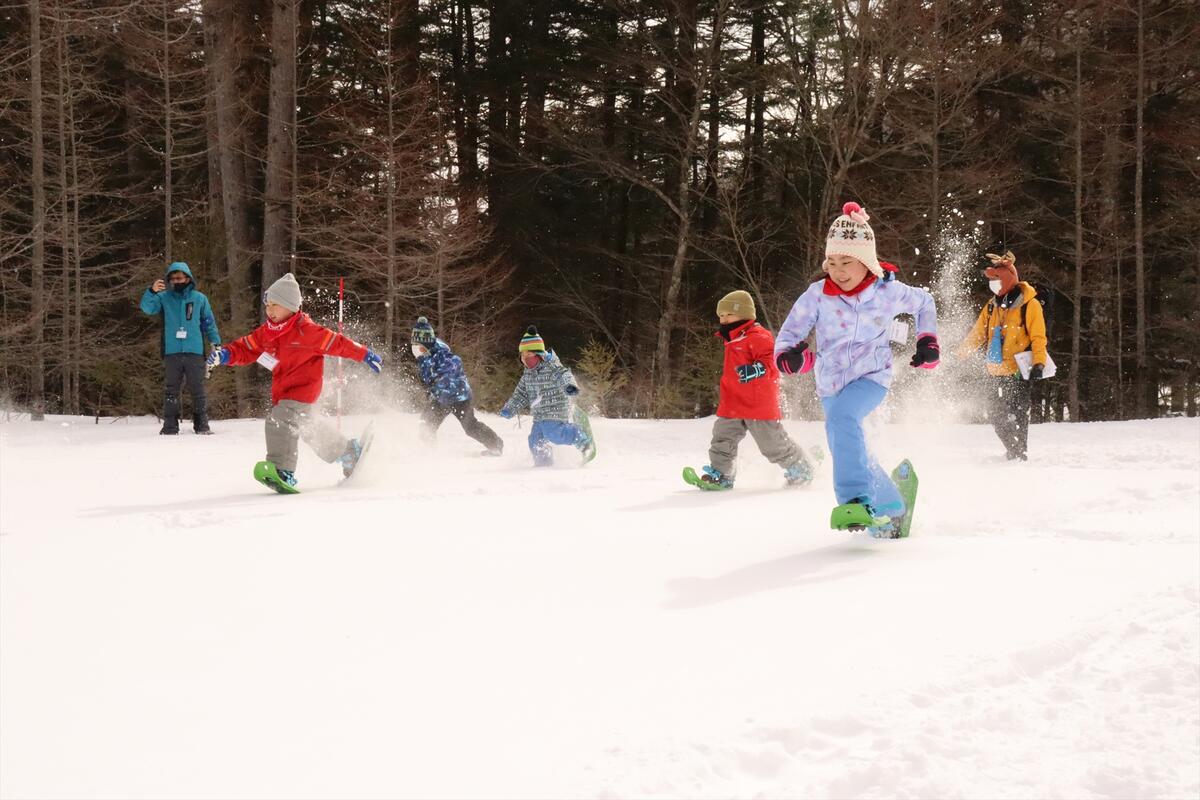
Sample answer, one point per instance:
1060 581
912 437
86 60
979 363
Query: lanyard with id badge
267 360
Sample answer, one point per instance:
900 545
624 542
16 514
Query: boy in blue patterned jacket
546 388
449 391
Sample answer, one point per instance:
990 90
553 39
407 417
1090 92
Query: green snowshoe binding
711 481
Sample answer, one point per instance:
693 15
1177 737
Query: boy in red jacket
294 347
749 399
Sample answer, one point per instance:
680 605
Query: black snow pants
181 367
1010 414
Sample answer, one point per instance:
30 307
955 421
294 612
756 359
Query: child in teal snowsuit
852 311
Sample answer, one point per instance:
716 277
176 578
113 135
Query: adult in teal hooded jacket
187 320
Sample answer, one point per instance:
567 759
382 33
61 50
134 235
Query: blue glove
748 372
504 412
374 361
219 355
571 389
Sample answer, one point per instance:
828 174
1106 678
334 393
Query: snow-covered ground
453 626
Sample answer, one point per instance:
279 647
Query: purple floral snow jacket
854 331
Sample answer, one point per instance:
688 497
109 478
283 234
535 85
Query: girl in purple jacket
852 311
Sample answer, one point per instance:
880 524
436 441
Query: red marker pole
341 309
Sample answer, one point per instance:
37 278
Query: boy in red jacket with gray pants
749 400
294 347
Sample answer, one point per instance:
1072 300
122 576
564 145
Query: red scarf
273 331
832 288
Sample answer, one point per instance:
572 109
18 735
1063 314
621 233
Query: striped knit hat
532 342
422 332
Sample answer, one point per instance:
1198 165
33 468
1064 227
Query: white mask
994 286
419 350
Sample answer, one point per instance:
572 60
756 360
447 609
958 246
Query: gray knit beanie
285 292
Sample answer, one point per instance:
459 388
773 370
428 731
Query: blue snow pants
856 473
547 432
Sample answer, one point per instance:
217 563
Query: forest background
606 169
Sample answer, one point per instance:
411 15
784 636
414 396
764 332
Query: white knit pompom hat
850 235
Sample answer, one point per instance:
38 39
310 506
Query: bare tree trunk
224 61
1138 222
277 210
497 119
935 131
466 108
64 215
293 138
758 49
1077 300
712 155
699 74
38 258
440 266
77 308
212 139
168 141
390 189
1107 291
535 104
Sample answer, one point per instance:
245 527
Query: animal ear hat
1003 269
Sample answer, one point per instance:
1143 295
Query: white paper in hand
1024 361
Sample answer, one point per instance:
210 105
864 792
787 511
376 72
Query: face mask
179 287
419 350
994 286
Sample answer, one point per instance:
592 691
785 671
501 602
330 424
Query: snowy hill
454 626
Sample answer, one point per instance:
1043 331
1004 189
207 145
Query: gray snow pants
290 421
769 435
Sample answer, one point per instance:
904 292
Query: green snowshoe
268 475
855 517
905 478
587 447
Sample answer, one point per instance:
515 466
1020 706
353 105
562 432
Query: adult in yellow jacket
1011 322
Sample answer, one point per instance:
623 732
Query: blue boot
799 474
714 477
890 529
349 459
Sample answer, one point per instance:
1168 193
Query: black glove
795 360
1035 372
928 353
